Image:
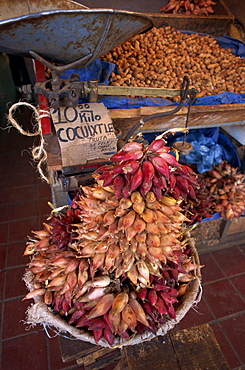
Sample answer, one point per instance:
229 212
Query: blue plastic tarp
124 102
222 98
98 70
210 147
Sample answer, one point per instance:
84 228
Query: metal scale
65 39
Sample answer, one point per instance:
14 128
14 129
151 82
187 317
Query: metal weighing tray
64 36
18 8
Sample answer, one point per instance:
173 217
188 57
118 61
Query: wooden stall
217 23
172 351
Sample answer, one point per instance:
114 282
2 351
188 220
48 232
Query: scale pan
18 8
64 36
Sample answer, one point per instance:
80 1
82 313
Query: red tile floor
23 207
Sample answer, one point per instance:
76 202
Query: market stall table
192 348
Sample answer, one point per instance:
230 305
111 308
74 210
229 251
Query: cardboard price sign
84 133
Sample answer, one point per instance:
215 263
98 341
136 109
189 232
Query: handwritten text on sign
85 133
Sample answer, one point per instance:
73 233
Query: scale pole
42 101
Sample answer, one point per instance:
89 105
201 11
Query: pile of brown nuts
161 58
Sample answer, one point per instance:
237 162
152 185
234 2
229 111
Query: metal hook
183 146
183 96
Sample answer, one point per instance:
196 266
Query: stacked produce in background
197 7
117 261
162 57
222 190
201 206
226 186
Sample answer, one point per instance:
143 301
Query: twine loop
38 153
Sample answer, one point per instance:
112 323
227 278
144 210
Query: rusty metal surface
65 36
18 8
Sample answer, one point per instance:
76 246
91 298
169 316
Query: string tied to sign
38 152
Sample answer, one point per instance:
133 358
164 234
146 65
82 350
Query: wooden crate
238 10
236 226
216 24
218 234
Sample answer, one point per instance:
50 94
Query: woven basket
40 313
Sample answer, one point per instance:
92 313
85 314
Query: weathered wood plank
236 226
89 355
99 362
187 349
200 116
122 363
237 8
74 349
155 354
197 348
146 111
99 353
